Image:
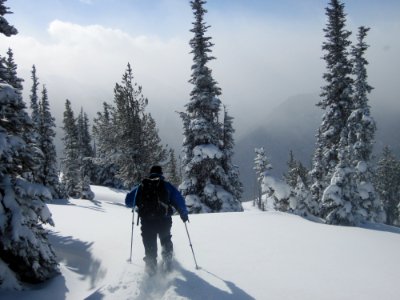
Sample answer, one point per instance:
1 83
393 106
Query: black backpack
154 201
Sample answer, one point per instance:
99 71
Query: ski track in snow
134 284
251 255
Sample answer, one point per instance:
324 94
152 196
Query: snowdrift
248 255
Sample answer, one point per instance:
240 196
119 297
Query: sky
267 51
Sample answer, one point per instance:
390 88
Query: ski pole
133 224
191 246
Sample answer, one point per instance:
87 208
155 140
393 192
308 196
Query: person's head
156 170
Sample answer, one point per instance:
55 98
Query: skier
154 199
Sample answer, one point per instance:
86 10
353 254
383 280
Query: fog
261 61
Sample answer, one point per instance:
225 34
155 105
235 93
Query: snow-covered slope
249 255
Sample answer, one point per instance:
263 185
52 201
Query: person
154 224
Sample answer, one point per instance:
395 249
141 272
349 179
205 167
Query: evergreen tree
361 131
47 133
24 246
304 204
261 166
11 71
71 163
297 179
3 70
25 252
129 108
172 169
292 174
84 188
351 198
84 138
34 98
340 198
103 132
5 27
336 98
204 186
35 116
387 182
136 136
85 150
152 148
234 186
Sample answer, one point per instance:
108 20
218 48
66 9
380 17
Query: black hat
156 170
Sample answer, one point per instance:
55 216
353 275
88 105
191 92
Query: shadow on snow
190 285
97 204
76 256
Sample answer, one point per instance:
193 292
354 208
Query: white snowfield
248 255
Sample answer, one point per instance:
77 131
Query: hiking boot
151 266
167 263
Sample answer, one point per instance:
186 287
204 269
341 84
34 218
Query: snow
281 189
362 166
205 151
365 189
248 255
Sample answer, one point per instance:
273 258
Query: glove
184 218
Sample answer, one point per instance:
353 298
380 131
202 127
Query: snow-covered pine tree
304 205
152 148
129 108
3 70
11 71
339 201
85 155
234 185
35 116
261 167
103 132
137 142
49 170
351 198
336 98
292 173
172 171
387 182
361 131
84 137
5 27
300 201
84 188
25 252
24 247
204 176
70 161
34 97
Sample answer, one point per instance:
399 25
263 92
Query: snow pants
151 228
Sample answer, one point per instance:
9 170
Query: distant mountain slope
292 126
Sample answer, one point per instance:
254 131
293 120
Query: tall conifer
71 163
336 98
387 182
11 71
204 185
49 170
24 246
361 132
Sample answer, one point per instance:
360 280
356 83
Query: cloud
259 64
95 57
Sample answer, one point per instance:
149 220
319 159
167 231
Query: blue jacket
177 201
